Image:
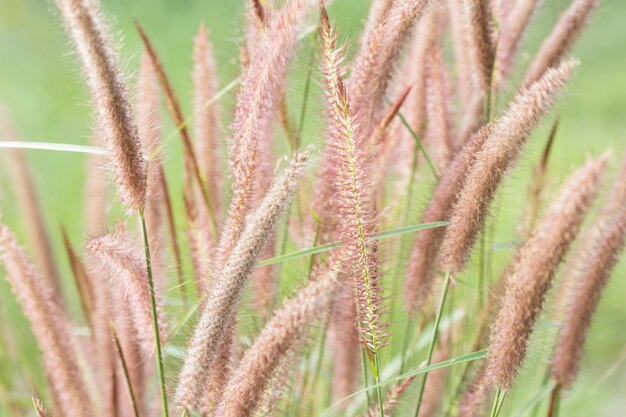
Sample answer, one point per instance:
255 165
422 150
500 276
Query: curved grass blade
469 357
325 248
49 146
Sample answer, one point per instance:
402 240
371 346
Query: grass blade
50 146
325 248
469 357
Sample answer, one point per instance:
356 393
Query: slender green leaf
469 357
48 146
325 248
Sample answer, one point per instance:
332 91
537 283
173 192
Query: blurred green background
41 86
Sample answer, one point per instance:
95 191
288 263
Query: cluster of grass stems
194 313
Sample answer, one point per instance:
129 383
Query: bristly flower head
534 267
221 307
499 153
115 120
589 271
563 36
355 210
50 327
127 271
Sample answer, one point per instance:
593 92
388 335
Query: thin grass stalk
155 319
176 113
83 284
433 341
129 385
26 194
497 402
171 227
39 410
537 185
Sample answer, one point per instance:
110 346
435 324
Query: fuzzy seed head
534 267
116 123
498 154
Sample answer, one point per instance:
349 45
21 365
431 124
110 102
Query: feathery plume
455 9
438 135
563 36
127 272
480 46
222 370
207 120
378 12
24 189
373 65
501 9
220 308
149 124
589 271
116 124
423 260
510 36
261 88
497 155
425 35
260 361
355 208
534 267
49 325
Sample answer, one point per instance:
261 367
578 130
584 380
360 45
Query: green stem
320 357
442 303
120 352
419 144
497 402
155 320
403 242
555 401
364 369
379 391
